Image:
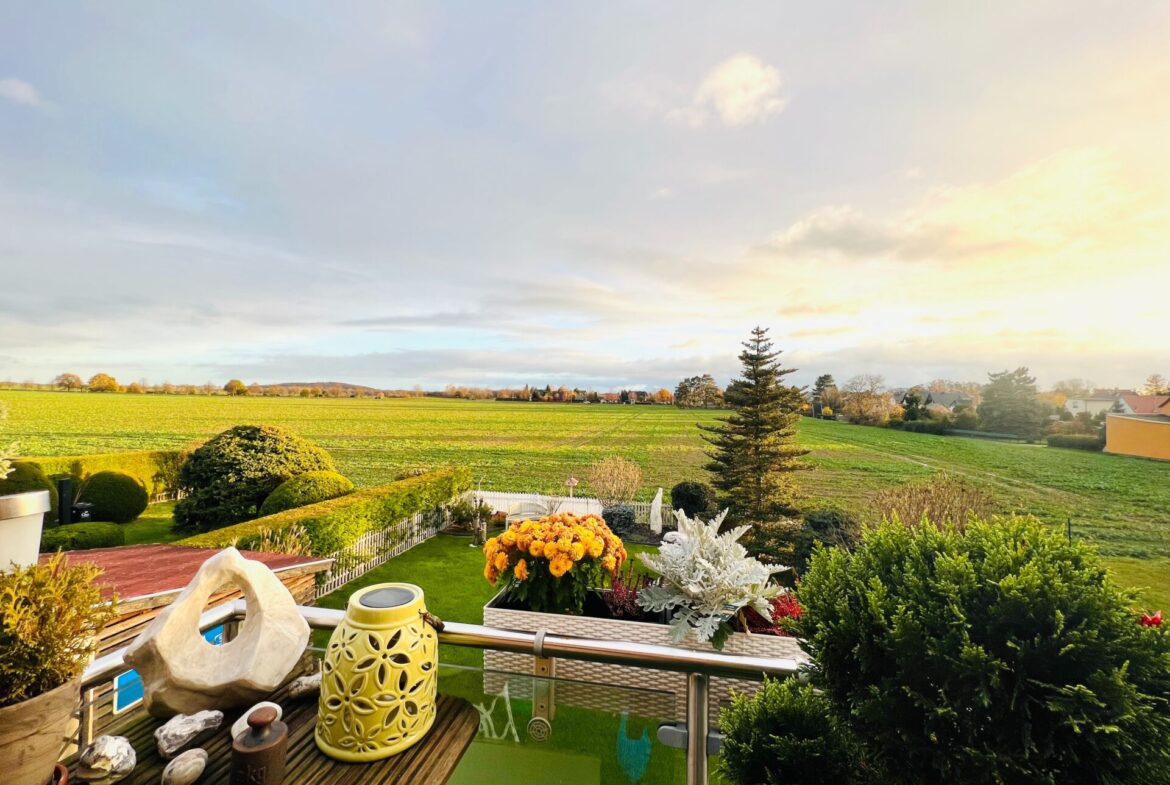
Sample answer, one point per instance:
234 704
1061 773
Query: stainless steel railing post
696 729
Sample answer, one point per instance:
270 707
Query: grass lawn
154 525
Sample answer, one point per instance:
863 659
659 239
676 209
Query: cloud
21 92
662 193
741 90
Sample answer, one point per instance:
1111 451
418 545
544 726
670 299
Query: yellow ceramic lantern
379 676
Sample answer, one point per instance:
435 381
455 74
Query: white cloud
21 92
741 90
662 193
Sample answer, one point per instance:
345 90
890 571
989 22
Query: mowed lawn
1121 504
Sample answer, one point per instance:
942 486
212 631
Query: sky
601 195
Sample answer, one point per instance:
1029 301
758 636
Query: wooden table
430 762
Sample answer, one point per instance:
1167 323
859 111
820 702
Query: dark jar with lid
259 753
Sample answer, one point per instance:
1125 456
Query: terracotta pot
32 734
60 775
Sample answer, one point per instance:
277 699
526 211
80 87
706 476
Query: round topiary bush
619 518
307 488
785 734
27 477
115 496
228 478
992 653
79 536
693 498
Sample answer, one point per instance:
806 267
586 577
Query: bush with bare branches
944 499
614 480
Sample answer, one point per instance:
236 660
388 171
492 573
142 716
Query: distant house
611 397
1141 404
951 400
1092 404
1143 435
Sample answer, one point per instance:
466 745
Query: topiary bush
828 526
115 496
786 734
228 478
27 477
619 518
1076 441
79 536
693 498
307 488
999 653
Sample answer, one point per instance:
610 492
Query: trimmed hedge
307 488
620 518
334 524
693 498
1077 441
115 496
936 427
157 470
228 478
79 536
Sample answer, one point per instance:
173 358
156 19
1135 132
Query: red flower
1151 620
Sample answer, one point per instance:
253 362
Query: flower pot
646 691
33 734
21 518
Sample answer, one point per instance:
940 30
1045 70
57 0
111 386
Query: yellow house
1143 435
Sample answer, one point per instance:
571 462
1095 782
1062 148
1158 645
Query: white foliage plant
707 579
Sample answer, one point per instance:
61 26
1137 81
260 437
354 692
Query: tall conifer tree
755 447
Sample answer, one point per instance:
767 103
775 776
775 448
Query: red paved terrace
135 571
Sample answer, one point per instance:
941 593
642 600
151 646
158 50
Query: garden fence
378 547
578 505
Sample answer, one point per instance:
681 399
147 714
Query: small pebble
183 730
305 685
186 768
107 760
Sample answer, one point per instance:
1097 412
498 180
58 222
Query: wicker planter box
642 691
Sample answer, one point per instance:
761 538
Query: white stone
107 760
305 685
182 729
186 768
241 725
182 673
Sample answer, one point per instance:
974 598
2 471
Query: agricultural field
1121 504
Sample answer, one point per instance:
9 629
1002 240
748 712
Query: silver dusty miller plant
707 579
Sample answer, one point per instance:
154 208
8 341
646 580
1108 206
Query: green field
1122 504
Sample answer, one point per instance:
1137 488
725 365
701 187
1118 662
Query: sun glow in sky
398 194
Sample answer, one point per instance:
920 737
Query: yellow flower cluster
555 543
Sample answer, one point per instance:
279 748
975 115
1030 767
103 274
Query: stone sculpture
183 674
182 729
186 768
107 760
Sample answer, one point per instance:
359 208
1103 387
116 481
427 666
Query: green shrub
332 525
80 536
229 477
155 469
828 526
307 488
53 615
28 476
936 427
115 496
1076 441
619 518
785 734
693 498
1001 653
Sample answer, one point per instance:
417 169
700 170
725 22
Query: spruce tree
755 447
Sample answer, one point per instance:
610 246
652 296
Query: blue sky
597 194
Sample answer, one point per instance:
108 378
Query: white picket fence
578 505
378 547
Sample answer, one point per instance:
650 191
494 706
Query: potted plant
50 617
21 514
568 597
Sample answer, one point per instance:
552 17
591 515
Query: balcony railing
698 665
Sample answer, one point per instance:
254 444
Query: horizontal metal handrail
639 655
